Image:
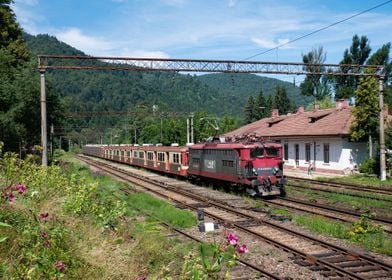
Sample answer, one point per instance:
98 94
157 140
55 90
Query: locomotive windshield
256 152
272 152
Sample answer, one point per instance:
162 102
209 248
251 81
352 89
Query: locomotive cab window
256 152
272 152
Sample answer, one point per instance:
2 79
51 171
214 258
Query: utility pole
383 173
187 130
192 139
51 140
44 137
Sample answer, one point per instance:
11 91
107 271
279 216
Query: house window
286 151
326 152
307 152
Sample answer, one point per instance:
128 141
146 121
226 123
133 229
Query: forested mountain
218 94
236 88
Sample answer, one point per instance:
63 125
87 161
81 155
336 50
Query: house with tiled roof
320 138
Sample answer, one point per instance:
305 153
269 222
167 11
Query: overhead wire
321 29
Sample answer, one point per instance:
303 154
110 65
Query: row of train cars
253 165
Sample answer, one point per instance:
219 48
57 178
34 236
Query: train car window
176 158
150 156
161 157
196 160
272 152
141 154
135 154
256 152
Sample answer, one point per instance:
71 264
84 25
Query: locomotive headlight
276 169
254 171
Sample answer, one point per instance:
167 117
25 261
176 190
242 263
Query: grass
162 210
377 241
346 198
360 180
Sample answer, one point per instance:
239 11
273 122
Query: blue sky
205 29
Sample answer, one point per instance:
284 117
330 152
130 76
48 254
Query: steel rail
337 269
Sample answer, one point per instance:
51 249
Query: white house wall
343 155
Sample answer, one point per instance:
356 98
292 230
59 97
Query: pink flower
46 244
232 239
44 235
44 216
60 266
242 249
21 188
11 196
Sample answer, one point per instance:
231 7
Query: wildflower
46 244
11 197
60 266
44 235
44 216
21 188
232 239
242 249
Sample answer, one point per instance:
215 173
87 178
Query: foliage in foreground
57 225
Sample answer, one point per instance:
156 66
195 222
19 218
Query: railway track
329 260
336 213
383 193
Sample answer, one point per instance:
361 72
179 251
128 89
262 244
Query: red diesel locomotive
253 164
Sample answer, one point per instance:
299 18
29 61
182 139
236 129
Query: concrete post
383 173
187 130
44 137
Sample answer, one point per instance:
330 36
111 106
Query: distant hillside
218 94
236 88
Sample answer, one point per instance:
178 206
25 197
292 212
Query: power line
321 29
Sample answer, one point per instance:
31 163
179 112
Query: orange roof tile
315 123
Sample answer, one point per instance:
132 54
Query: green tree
365 111
250 110
315 85
11 34
357 54
269 105
260 106
282 102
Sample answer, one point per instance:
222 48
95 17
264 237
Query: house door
296 155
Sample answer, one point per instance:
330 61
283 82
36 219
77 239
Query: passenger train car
255 165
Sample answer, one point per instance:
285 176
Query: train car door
296 155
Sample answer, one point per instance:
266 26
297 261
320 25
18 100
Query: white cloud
142 53
269 44
88 44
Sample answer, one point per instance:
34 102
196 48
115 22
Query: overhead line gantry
48 62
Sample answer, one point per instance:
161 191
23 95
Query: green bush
368 166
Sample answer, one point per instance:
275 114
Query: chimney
342 104
301 110
275 113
